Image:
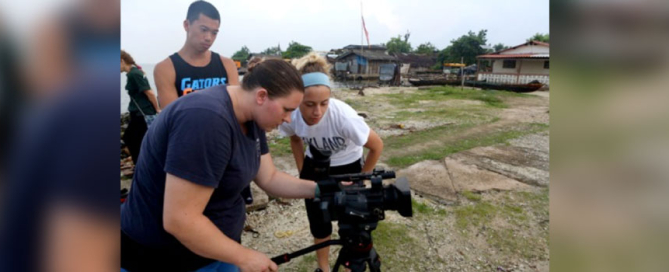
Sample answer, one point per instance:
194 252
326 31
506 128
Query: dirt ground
477 163
481 207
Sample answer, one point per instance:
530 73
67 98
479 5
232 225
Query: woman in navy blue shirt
184 211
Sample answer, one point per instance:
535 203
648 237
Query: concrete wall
531 66
497 67
528 66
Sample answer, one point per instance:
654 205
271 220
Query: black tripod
357 250
357 253
357 209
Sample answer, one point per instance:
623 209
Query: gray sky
152 29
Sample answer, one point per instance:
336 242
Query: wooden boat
434 81
519 88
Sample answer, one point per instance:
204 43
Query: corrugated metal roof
370 55
417 60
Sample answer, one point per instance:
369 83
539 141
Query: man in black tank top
194 66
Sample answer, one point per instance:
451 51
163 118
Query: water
125 99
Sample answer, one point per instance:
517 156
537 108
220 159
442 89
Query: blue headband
316 78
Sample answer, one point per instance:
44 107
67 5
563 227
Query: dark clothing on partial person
136 85
199 139
320 229
133 135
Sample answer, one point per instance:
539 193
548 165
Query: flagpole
361 30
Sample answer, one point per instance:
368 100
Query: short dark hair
202 7
277 76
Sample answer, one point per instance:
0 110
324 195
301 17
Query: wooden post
361 44
462 73
478 68
518 73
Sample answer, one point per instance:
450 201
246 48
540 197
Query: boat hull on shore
519 88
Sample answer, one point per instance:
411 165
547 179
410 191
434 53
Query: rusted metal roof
514 56
499 55
521 45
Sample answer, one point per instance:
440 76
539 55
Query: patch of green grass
474 215
306 263
537 202
471 196
537 127
422 208
355 104
423 136
394 246
459 115
506 241
280 146
482 212
438 153
490 98
514 209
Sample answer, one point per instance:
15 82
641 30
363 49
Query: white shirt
341 131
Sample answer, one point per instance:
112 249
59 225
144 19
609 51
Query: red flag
365 29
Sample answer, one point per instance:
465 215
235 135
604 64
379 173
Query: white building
521 64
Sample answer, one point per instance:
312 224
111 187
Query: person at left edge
142 101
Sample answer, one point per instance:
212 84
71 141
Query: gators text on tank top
191 78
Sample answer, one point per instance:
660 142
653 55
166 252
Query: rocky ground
477 162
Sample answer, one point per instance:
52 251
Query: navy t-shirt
197 138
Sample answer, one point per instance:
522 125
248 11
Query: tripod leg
374 261
338 262
374 266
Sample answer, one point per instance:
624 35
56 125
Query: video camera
357 209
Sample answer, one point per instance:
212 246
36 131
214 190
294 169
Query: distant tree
242 54
426 48
499 47
296 50
540 38
272 51
397 45
468 46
